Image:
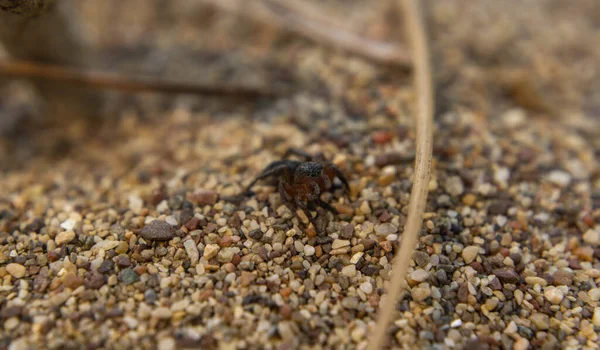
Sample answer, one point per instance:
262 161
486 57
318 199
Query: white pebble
559 178
192 251
309 250
366 287
68 224
349 270
554 295
470 253
419 275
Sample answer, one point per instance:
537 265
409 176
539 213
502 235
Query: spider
302 183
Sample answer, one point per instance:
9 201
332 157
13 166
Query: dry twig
118 82
418 196
303 23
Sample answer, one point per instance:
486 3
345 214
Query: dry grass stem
288 17
418 197
119 82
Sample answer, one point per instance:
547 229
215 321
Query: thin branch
418 197
282 15
118 82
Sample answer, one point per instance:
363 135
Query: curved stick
418 196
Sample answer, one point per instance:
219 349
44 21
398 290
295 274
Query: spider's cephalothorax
302 183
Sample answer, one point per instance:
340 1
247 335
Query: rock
421 258
592 237
559 178
470 253
454 186
105 245
210 251
562 278
596 317
340 243
419 275
205 197
309 250
16 270
349 270
554 295
350 303
594 294
541 321
247 278
385 229
166 343
128 276
366 287
499 207
192 251
365 208
162 313
157 230
507 275
420 293
123 260
532 280
71 280
64 237
93 280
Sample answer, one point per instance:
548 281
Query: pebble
419 275
64 237
350 303
541 321
454 186
521 344
532 280
596 317
309 250
210 251
507 275
554 295
421 258
340 243
559 178
470 253
205 197
420 293
71 280
11 323
594 294
16 270
192 251
166 343
157 230
162 313
247 278
349 270
385 229
592 237
365 208
105 245
366 287
128 276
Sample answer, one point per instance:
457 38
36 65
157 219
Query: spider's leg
340 175
297 152
326 206
304 208
274 169
289 204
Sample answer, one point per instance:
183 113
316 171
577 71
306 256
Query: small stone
470 253
93 280
123 260
309 250
532 280
157 230
366 287
122 248
562 278
205 197
420 293
469 199
349 270
491 304
356 257
596 317
71 280
554 295
592 237
507 275
192 251
454 186
210 251
350 303
166 343
419 275
247 278
365 208
421 258
150 296
541 321
594 294
128 276
104 245
64 237
559 178
521 344
16 270
340 243
385 229
162 313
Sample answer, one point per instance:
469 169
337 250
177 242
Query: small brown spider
302 183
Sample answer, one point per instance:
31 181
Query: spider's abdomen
309 169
